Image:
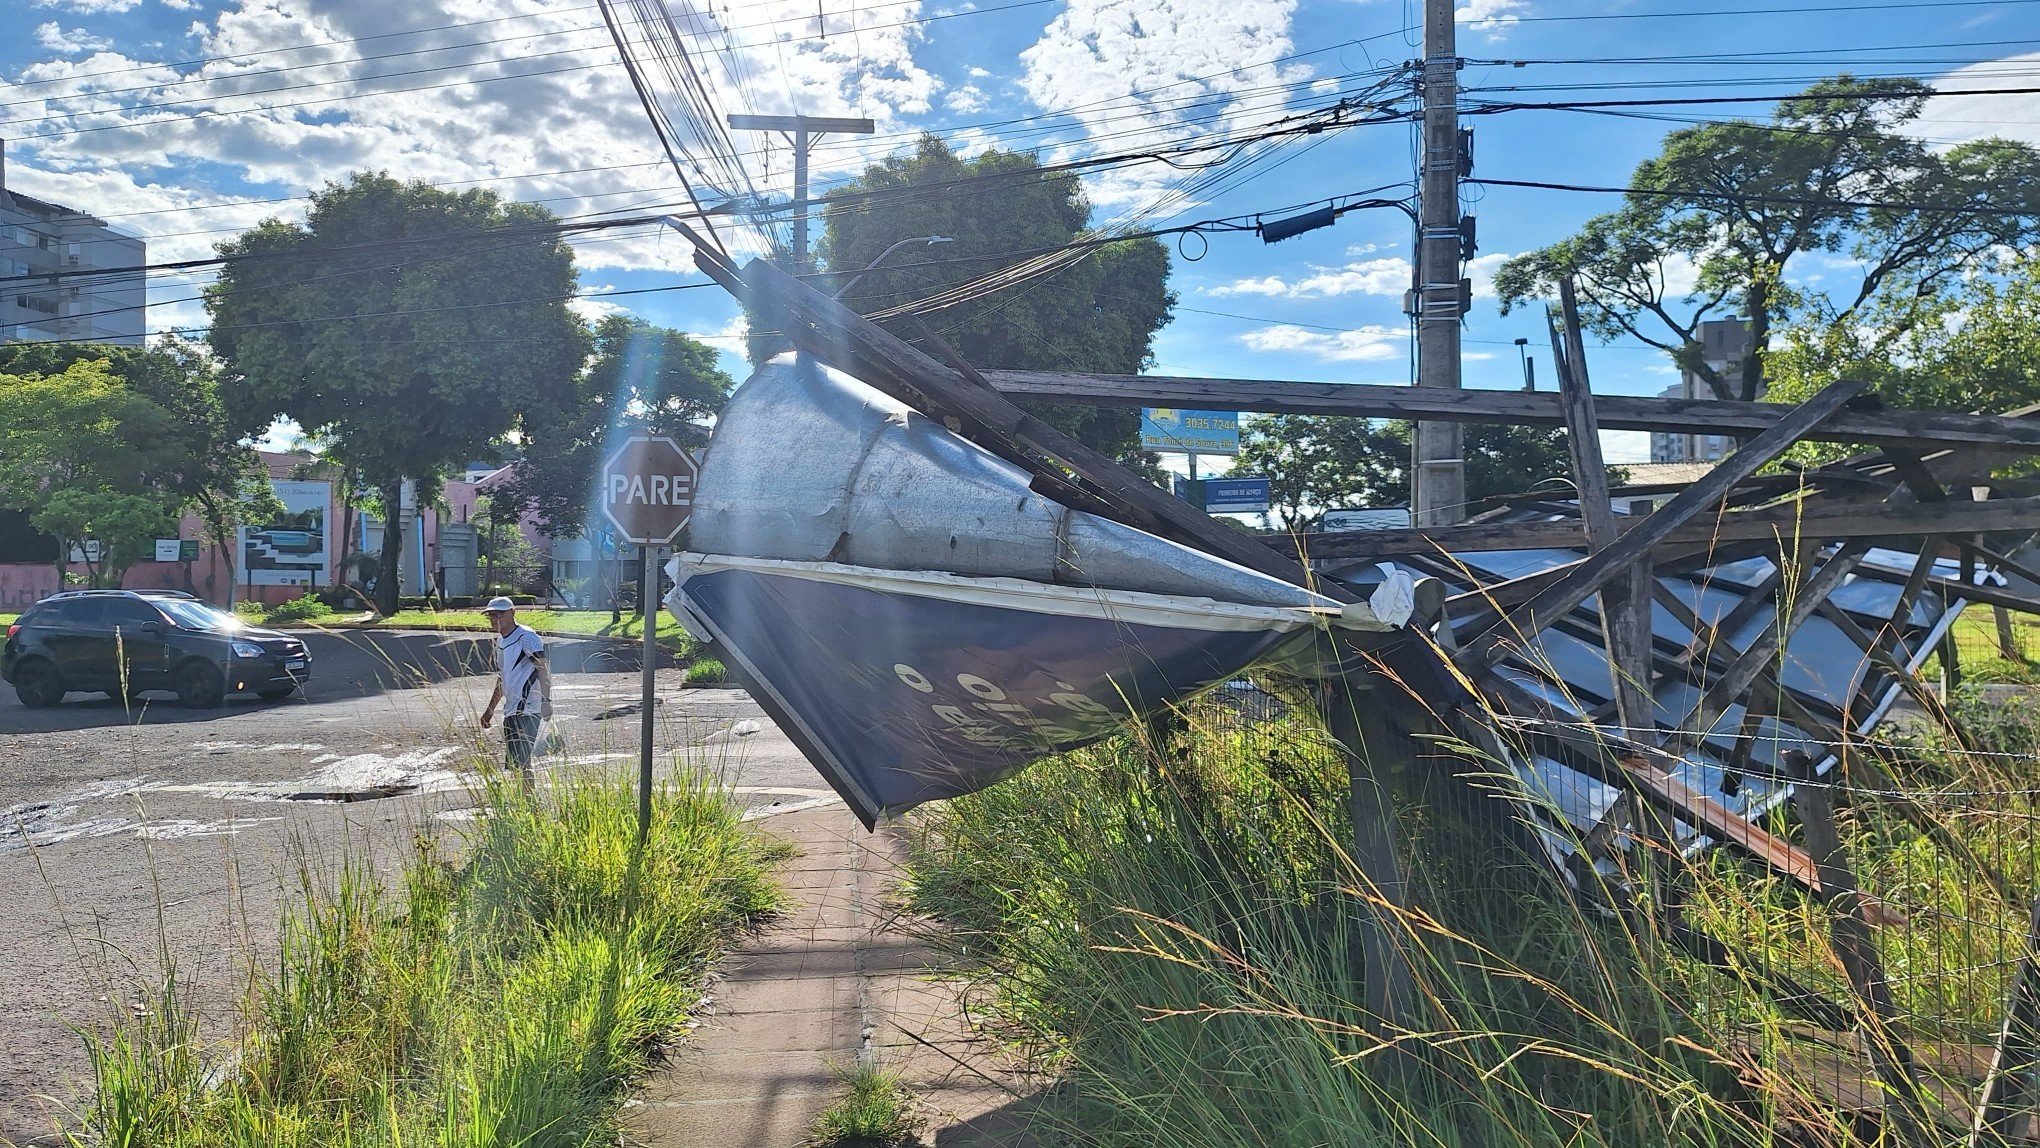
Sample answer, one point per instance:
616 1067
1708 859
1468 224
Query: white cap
497 604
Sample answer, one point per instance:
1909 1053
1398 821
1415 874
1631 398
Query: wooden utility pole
802 132
1438 464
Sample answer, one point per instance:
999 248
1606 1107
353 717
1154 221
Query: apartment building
42 238
1723 344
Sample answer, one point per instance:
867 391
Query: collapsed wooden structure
1855 548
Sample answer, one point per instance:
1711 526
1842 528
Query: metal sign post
648 492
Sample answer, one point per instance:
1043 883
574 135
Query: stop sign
648 489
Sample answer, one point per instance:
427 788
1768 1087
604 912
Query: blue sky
108 108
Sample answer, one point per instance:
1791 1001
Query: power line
1667 101
1785 200
1710 13
1283 127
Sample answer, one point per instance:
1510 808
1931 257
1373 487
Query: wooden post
2008 642
1625 601
1904 1105
1367 742
2009 1087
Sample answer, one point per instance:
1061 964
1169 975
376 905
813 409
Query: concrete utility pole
1437 464
802 132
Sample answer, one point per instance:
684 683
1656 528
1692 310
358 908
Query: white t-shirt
517 656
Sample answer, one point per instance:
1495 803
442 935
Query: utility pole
1437 464
802 132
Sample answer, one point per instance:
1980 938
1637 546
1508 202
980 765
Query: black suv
122 642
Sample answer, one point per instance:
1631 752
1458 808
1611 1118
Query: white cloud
965 100
72 42
1952 120
1490 16
90 7
182 5
977 73
1362 344
1389 277
108 153
1169 70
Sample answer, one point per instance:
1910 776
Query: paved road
112 819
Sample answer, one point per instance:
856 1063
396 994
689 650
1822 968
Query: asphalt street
128 835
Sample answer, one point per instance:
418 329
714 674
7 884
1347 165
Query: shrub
302 609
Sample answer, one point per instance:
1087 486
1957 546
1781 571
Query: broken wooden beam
1521 408
1562 596
1850 520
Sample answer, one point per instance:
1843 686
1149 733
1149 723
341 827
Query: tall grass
502 1000
1176 932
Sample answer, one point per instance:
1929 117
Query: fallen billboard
922 623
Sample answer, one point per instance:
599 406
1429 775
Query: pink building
282 560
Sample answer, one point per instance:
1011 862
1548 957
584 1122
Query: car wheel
38 684
200 685
276 694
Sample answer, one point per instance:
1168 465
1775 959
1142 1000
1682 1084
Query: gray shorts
520 736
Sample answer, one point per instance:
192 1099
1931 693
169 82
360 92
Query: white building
1723 344
42 238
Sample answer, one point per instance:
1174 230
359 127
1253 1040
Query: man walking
523 685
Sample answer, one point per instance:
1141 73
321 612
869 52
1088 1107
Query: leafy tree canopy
404 326
1316 463
1717 222
199 454
1978 350
642 378
1100 314
89 458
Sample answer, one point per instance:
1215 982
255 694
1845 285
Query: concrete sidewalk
831 984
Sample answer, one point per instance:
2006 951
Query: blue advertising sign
1172 429
1235 495
905 687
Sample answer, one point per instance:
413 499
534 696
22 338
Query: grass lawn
1982 659
594 623
7 620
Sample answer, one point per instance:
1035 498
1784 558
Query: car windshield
196 615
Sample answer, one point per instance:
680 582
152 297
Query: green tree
88 458
641 378
1976 350
1720 219
208 462
1100 314
404 326
1316 463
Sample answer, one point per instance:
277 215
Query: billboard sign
1172 429
1235 495
167 549
293 550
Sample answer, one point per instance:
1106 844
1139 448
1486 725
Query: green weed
503 1000
876 1111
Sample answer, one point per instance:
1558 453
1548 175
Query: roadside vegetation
876 1110
503 998
1175 934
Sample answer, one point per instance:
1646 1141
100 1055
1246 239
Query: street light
1529 364
930 240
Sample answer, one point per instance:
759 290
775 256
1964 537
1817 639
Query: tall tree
1316 463
641 378
213 469
1718 221
405 326
89 458
1099 315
